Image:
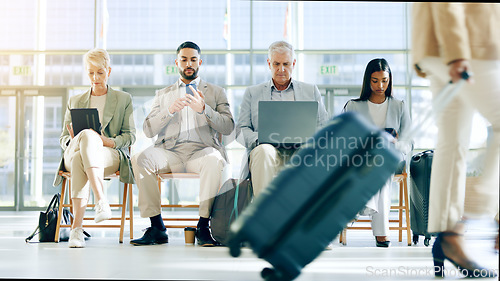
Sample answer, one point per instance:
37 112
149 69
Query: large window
333 40
354 25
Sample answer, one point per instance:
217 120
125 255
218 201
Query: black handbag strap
54 203
32 235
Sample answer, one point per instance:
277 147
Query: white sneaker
76 238
102 211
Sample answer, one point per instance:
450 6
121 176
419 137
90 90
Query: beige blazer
118 125
217 118
455 31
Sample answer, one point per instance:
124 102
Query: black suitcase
293 219
420 173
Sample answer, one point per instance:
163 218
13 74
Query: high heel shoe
382 244
470 270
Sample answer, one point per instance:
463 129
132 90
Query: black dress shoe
204 237
152 236
383 244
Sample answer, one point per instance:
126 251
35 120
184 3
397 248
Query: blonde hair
280 47
97 57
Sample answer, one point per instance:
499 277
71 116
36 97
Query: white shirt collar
290 85
195 81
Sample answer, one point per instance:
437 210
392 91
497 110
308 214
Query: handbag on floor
47 222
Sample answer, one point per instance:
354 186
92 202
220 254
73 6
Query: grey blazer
397 117
249 112
217 117
118 125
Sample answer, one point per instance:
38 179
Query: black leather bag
47 222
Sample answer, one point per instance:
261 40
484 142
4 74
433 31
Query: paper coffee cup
189 234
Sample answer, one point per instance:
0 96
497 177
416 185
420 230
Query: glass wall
7 150
354 25
41 150
47 38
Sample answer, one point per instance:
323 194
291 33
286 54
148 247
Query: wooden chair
403 206
170 176
127 196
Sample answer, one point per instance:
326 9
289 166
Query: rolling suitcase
420 173
322 187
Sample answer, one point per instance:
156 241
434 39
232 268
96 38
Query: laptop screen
287 123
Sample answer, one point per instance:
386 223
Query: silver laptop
287 123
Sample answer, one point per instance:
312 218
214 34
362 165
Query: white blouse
378 112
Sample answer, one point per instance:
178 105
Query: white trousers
185 157
447 190
379 209
85 151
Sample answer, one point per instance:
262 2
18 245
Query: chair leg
123 205
131 212
344 236
58 225
400 210
70 200
407 212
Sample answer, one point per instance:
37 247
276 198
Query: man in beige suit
187 123
448 39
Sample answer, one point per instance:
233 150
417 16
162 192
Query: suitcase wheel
271 274
235 250
426 241
415 239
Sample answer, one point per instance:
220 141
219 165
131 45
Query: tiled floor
105 258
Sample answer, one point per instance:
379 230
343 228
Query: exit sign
328 70
171 70
22 70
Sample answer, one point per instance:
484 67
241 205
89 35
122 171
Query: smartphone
391 131
188 89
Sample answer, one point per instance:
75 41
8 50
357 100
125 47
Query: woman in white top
378 106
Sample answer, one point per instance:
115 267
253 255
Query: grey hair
97 57
280 47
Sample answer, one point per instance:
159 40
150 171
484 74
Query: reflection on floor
105 258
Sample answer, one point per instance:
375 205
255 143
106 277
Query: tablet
85 118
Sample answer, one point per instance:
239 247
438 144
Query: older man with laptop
265 159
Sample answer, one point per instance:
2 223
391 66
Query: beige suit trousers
185 157
447 190
264 164
85 151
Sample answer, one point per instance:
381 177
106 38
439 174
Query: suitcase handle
419 155
439 103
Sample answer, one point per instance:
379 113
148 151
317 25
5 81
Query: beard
189 77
